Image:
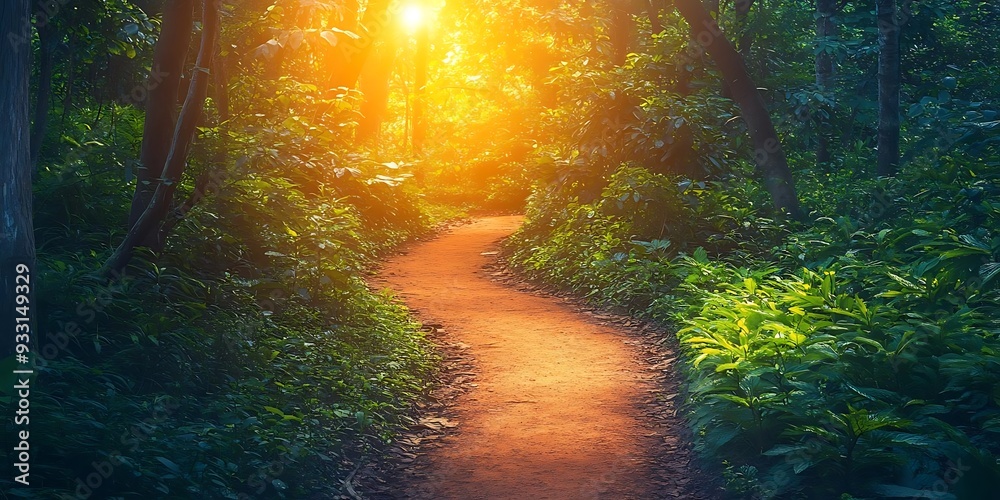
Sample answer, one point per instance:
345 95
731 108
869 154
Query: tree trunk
742 20
622 28
696 58
148 225
374 85
161 97
338 58
355 52
220 87
743 45
70 79
420 89
768 154
17 241
826 30
654 17
47 37
888 87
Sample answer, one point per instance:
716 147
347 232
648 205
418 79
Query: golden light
412 17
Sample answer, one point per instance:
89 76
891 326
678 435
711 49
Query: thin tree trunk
420 89
374 84
161 97
768 154
654 17
888 88
826 30
745 42
47 37
17 241
70 79
622 29
220 85
149 222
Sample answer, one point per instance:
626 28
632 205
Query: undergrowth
248 360
854 355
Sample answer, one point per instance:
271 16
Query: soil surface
542 400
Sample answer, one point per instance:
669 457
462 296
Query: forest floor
540 398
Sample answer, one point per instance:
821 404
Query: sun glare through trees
296 249
412 17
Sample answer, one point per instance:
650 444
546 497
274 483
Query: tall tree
420 88
769 155
148 224
17 241
826 31
162 87
888 87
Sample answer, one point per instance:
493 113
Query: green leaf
700 255
988 272
902 281
783 449
170 465
728 366
802 465
963 252
275 411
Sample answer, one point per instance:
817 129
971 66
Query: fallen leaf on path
436 423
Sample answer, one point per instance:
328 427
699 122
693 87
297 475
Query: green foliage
860 345
863 346
249 358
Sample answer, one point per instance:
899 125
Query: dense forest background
808 191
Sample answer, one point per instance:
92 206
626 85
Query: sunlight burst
412 17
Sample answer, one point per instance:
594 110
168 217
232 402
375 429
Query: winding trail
555 412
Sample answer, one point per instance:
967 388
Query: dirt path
556 409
